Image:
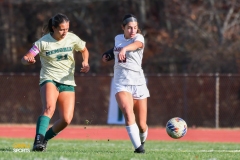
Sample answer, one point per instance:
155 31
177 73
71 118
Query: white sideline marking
220 151
202 151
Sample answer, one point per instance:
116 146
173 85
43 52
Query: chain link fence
209 100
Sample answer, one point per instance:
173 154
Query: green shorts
61 87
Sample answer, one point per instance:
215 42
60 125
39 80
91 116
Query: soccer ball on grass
176 127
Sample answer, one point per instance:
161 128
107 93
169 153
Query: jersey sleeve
36 48
139 37
80 44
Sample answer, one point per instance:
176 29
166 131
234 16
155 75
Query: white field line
200 151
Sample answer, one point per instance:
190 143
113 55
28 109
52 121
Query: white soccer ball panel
176 127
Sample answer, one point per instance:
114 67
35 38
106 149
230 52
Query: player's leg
125 103
140 94
140 110
49 94
66 101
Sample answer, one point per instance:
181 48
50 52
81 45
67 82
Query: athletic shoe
140 149
38 145
45 144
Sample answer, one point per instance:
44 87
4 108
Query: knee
66 121
127 111
142 127
49 111
129 119
129 116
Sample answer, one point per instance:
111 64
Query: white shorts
137 91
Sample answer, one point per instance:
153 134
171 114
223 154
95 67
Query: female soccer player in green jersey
56 49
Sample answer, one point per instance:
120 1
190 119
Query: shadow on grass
88 151
6 149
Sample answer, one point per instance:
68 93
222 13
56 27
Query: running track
119 133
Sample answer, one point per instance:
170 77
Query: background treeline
182 36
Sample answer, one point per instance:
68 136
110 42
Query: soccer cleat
45 144
38 145
38 148
140 149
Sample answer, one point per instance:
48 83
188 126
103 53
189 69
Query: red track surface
119 133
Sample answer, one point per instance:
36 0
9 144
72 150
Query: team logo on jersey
59 50
117 49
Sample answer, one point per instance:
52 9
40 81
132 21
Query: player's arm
29 58
85 55
131 47
108 55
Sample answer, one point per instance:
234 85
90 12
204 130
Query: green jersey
57 57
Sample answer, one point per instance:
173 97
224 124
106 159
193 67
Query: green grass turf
121 150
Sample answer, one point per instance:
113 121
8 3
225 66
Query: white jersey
129 71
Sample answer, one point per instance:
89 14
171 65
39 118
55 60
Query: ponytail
54 21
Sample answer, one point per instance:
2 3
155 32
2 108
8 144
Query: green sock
50 134
42 125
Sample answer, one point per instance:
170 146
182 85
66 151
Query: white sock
133 133
143 136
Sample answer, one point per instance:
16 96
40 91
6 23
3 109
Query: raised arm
131 47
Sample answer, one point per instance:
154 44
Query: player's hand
105 58
85 67
31 60
122 55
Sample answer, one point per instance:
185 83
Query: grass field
121 150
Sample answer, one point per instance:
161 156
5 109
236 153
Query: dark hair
124 22
129 18
55 21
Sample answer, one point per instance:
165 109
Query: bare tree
204 32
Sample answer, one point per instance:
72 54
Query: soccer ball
176 127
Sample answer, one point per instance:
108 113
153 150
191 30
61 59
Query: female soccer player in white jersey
130 87
57 82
